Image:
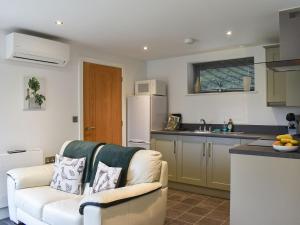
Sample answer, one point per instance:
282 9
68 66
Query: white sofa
33 202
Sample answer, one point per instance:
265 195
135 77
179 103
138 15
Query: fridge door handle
138 141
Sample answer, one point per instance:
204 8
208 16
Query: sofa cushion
144 167
106 178
63 212
33 200
68 174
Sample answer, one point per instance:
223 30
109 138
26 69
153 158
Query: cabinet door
218 162
276 81
191 164
166 145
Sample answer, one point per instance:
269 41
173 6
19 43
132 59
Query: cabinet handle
204 150
174 144
209 149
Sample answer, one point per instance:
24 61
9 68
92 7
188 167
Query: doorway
102 103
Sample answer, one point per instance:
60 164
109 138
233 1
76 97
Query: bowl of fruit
286 143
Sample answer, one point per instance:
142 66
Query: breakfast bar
264 186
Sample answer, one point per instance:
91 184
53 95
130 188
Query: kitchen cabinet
191 160
282 87
166 145
197 160
218 162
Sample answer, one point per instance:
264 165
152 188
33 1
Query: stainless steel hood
289 22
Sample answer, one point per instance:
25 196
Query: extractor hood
289 24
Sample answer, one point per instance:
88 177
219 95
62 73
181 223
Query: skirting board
4 213
200 190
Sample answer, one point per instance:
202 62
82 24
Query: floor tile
189 218
186 208
200 211
209 221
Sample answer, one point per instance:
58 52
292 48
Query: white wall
50 128
243 108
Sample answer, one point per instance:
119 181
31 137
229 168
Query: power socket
50 159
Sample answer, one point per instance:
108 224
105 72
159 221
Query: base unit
191 160
197 160
166 145
218 163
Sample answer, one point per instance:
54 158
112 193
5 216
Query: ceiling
123 27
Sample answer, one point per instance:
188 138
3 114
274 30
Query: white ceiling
124 26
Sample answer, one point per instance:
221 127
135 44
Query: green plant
32 91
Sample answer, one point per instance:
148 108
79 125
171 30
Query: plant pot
32 104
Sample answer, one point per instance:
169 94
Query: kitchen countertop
263 151
240 135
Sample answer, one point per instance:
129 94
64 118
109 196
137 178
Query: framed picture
34 93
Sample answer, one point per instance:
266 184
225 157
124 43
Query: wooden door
191 164
218 162
102 103
166 145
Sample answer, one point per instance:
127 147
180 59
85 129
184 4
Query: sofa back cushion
144 167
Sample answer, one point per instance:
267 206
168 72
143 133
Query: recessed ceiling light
145 48
229 33
59 22
189 41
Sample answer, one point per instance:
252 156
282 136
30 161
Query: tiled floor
185 208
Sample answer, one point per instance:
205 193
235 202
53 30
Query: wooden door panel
102 103
117 107
88 102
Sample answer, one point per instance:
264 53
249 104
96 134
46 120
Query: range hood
289 23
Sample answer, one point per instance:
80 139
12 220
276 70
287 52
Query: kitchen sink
196 131
210 132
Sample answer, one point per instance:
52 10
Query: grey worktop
241 149
263 151
244 135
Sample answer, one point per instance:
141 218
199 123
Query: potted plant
34 98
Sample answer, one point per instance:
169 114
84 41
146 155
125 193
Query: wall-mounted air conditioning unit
33 49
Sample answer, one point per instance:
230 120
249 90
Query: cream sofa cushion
145 167
33 200
63 212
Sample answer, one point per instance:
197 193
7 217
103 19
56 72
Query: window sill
226 93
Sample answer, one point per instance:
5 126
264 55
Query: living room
211 88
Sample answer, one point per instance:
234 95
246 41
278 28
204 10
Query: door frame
80 95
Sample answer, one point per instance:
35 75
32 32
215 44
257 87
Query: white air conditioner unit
33 49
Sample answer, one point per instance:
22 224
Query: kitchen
201 161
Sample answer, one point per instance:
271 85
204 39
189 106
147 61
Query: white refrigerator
145 113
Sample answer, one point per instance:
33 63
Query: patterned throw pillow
106 178
67 175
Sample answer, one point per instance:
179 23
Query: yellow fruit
289 144
277 143
295 142
284 136
285 141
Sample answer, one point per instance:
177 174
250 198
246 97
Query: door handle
90 128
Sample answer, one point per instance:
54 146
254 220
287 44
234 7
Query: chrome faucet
202 121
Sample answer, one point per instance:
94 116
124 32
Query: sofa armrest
35 176
117 196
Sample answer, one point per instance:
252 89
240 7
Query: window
234 75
